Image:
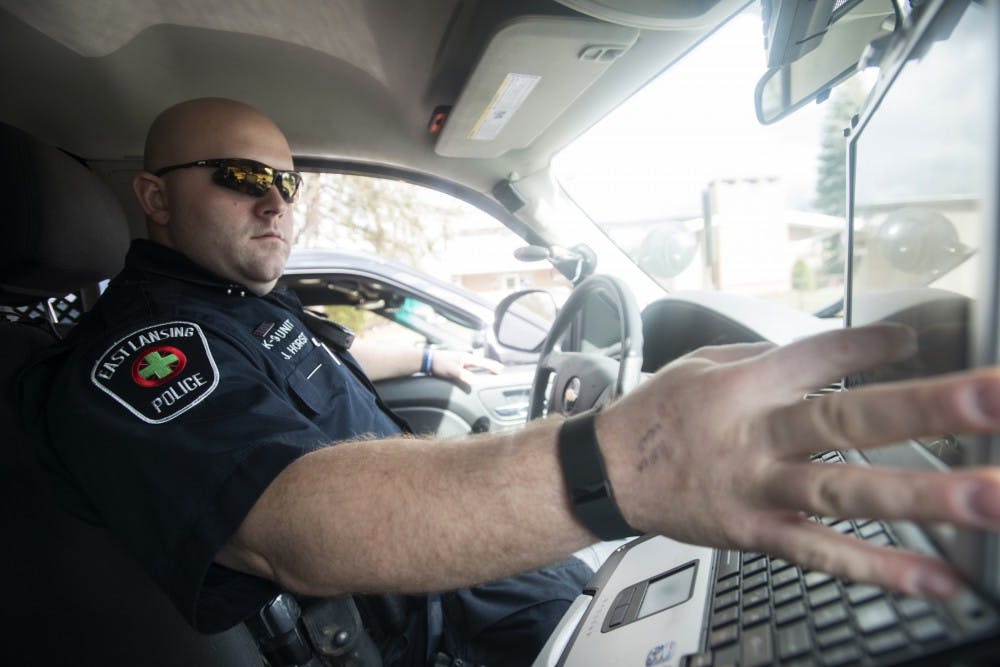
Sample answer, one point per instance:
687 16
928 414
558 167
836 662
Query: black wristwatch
587 481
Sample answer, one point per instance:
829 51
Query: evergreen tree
831 181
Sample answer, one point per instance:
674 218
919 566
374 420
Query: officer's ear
151 192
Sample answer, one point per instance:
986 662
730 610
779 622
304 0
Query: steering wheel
576 381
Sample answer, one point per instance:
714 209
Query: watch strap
586 479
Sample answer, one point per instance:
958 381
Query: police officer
192 407
197 388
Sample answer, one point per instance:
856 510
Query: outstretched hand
714 450
457 366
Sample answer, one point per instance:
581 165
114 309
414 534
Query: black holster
327 633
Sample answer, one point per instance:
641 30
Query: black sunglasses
247 176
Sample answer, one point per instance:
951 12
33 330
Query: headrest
63 228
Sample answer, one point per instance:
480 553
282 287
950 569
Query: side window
399 262
407 321
373 326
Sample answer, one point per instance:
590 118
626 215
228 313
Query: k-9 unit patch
159 371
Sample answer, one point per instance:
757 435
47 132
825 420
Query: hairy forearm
699 453
410 515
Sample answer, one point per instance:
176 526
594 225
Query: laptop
924 236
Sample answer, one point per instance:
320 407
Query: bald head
210 128
243 237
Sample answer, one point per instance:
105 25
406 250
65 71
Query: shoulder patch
159 371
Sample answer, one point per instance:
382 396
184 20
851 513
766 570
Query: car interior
475 99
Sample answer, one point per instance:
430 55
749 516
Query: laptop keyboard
766 611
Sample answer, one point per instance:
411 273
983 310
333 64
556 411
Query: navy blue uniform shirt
173 405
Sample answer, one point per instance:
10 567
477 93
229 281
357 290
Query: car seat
71 597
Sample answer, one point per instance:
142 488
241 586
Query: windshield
702 197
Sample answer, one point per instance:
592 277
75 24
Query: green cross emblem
158 365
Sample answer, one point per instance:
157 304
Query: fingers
970 497
472 361
882 414
469 361
816 547
817 361
722 354
451 365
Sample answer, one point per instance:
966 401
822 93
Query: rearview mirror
784 89
523 320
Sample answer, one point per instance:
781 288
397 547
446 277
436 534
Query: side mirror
523 319
791 86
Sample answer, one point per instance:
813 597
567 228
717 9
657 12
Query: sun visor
530 72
